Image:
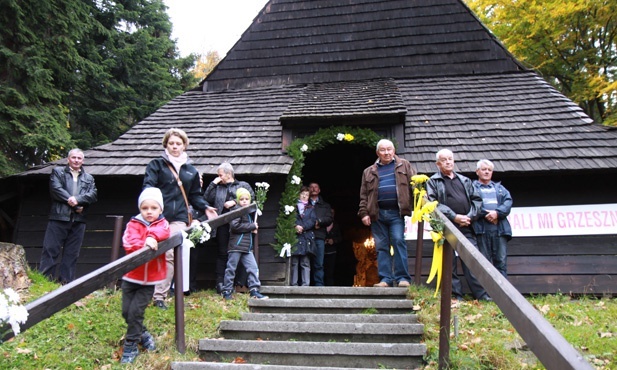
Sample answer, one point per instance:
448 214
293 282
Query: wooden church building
427 74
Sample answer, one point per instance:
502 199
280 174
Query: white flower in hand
207 227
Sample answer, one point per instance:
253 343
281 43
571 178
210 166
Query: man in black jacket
460 202
323 211
72 190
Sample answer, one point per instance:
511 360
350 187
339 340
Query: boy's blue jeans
248 260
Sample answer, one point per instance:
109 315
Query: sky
203 25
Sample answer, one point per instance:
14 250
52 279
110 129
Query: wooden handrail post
178 281
417 277
445 308
179 294
116 243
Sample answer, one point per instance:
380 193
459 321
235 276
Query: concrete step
238 366
316 354
334 292
331 306
316 317
322 331
328 328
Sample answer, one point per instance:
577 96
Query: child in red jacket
146 229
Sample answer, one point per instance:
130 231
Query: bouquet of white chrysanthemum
200 233
261 194
11 312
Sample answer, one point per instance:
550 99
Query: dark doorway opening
338 171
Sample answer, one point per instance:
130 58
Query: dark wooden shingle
431 65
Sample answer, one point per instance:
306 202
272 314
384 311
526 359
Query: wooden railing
540 336
49 304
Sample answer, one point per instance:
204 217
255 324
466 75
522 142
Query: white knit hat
151 194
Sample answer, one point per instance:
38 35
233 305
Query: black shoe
160 304
147 341
227 295
459 298
256 295
129 353
485 298
219 288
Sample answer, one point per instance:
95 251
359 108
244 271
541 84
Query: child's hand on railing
152 243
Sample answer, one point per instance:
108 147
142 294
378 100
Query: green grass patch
487 340
88 334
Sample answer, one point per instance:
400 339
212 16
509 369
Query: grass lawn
88 334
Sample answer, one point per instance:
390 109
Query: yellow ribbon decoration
436 266
418 195
418 182
425 213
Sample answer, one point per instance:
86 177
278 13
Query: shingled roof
518 121
431 63
303 42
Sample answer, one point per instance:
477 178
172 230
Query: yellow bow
436 266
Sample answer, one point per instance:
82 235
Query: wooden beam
7 196
8 218
227 217
417 275
445 307
542 338
64 296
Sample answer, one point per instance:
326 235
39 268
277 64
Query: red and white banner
585 219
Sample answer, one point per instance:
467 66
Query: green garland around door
285 235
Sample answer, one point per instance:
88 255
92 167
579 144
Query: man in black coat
72 191
460 202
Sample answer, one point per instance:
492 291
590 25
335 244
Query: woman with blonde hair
179 182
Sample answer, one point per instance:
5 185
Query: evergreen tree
142 70
37 55
80 73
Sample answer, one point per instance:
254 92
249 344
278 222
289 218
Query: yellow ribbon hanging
417 204
425 213
436 266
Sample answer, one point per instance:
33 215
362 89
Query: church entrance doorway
338 171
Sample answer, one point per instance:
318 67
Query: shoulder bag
186 201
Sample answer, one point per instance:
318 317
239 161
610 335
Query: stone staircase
318 327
